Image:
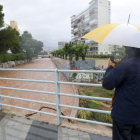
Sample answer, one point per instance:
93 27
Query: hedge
98 56
11 57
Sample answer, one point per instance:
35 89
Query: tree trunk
83 58
77 58
63 56
66 56
70 56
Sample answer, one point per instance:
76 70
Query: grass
99 92
87 103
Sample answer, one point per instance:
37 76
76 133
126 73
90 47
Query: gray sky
49 20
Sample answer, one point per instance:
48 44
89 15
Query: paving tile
21 135
74 138
42 132
105 138
3 122
83 135
64 138
34 130
11 122
14 118
62 132
28 121
53 127
13 132
44 125
5 130
21 120
52 135
31 137
2 135
94 137
2 115
25 128
72 132
9 137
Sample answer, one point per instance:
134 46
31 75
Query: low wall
10 64
80 77
60 64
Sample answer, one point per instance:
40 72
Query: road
41 63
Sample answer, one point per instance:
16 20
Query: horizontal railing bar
86 97
80 84
51 114
88 121
34 70
28 100
27 90
28 80
81 71
86 109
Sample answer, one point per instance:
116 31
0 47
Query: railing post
57 91
0 102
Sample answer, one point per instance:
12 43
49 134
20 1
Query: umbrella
116 34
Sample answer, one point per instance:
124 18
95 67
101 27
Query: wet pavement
20 128
41 63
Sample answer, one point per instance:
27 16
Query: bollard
0 102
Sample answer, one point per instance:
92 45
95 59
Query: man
125 78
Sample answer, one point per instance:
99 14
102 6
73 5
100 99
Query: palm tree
83 50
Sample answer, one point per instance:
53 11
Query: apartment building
13 24
61 45
97 14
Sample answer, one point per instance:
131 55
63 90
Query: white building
96 15
61 45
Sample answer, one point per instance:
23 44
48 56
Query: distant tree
16 48
76 51
9 40
30 46
120 53
37 46
83 50
66 50
70 49
1 16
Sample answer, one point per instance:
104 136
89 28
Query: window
93 26
106 52
101 52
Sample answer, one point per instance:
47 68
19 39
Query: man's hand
110 63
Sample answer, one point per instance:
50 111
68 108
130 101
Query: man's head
132 51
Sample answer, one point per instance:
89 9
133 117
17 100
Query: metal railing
56 93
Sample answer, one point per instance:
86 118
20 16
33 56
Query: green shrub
74 75
11 57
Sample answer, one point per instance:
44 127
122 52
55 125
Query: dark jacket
125 78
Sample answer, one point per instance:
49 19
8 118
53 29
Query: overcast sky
49 20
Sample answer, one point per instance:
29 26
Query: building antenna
128 19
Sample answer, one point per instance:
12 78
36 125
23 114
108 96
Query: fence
56 93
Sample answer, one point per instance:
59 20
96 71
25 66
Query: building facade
13 25
96 15
61 45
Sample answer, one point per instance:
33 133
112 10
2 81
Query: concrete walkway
19 128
